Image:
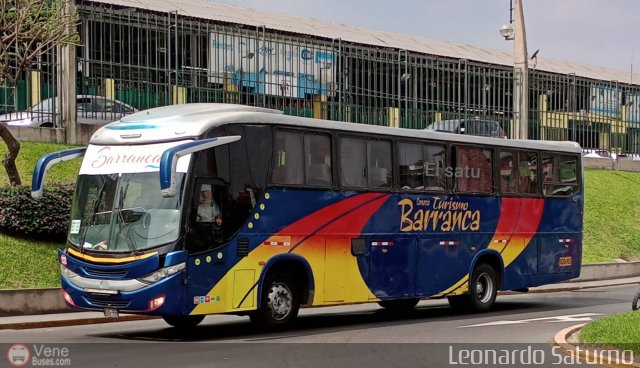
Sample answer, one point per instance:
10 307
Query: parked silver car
95 110
485 128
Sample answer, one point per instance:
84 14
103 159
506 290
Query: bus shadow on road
317 322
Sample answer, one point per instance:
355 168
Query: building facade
172 52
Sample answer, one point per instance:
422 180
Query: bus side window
412 166
528 172
434 156
379 164
353 162
317 159
508 178
474 173
287 165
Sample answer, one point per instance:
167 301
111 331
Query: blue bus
189 210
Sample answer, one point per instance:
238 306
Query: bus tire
279 304
183 322
634 302
483 288
399 304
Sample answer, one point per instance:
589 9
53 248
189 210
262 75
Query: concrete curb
552 289
607 271
72 322
560 340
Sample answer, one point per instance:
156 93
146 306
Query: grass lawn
612 210
28 264
612 229
29 154
618 331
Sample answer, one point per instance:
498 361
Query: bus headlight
67 273
162 273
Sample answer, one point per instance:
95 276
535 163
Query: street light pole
520 70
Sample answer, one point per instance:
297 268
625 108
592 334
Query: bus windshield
123 213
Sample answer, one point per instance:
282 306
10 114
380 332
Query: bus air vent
243 247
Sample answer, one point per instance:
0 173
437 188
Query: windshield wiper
89 216
126 233
87 220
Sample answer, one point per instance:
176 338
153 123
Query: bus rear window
560 175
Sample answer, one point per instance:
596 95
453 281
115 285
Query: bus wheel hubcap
484 288
279 301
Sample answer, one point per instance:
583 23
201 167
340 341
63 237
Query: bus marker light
381 244
261 263
282 243
156 303
67 298
449 242
219 255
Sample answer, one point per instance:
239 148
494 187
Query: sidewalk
62 320
86 318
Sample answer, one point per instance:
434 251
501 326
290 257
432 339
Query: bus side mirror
46 162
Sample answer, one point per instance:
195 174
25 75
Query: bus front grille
108 303
112 274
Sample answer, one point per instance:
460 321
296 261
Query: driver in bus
208 209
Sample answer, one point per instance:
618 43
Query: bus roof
178 122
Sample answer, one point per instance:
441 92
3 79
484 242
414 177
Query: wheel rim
279 301
484 288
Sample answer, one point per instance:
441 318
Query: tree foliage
29 29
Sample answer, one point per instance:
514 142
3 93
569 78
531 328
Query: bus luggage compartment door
392 267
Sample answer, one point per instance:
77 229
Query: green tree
29 29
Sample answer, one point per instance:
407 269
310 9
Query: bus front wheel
279 304
183 321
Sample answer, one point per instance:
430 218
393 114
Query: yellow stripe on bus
108 260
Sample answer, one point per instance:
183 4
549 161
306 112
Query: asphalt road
350 336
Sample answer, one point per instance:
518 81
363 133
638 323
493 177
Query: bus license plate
111 312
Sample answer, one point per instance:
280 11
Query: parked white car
598 153
95 110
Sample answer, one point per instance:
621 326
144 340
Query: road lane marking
567 318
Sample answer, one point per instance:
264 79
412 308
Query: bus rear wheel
183 321
279 304
483 289
399 305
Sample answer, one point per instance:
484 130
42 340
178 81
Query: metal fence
146 59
